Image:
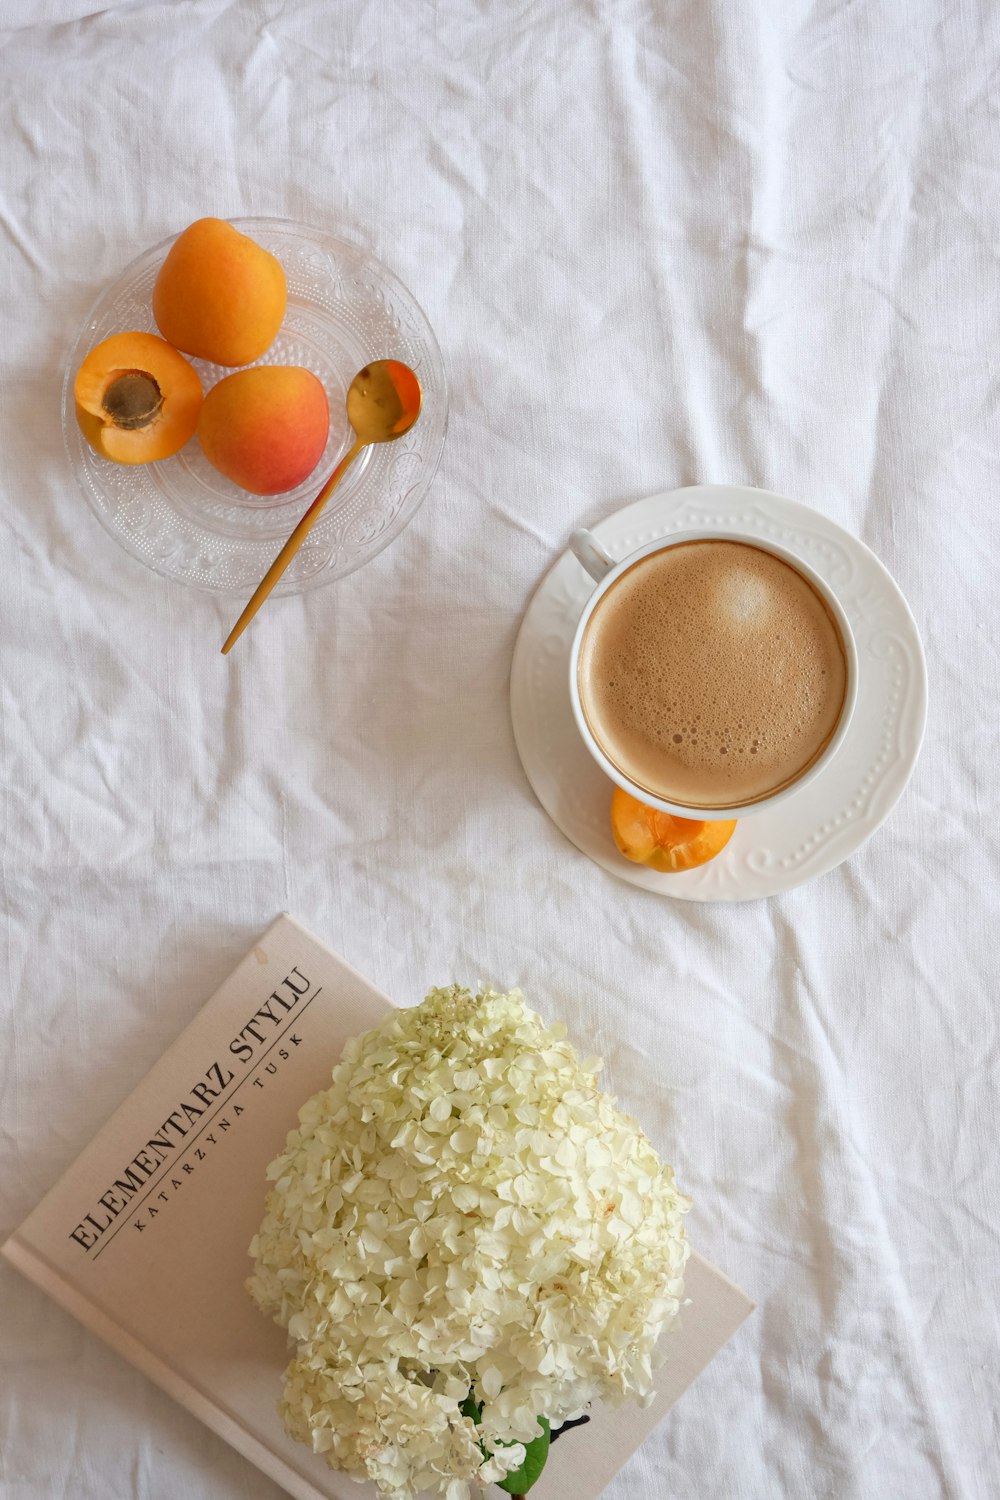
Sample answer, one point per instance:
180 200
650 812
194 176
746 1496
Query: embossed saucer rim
824 823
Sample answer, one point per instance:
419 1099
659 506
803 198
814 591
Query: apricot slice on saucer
664 842
137 399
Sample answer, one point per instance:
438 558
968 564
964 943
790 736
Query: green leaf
519 1481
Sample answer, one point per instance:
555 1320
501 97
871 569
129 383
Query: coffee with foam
712 674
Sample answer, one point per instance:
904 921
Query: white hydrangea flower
463 1210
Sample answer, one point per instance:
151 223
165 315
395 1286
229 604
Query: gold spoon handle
292 546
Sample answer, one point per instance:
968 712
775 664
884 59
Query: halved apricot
137 399
662 841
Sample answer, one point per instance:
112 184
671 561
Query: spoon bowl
383 401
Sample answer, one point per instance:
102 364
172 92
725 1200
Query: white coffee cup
606 571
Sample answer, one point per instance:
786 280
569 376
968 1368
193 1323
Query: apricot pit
132 400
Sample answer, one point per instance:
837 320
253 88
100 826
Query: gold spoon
382 403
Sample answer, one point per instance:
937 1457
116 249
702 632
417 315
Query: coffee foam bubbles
712 673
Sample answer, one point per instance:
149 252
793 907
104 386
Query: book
145 1238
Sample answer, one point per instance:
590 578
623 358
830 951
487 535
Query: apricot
137 399
219 295
662 841
265 428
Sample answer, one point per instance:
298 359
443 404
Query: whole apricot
662 841
219 295
136 398
265 428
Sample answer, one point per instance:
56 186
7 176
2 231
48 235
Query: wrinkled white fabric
660 243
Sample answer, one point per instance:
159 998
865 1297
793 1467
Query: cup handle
591 555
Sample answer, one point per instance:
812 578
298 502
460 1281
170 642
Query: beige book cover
145 1237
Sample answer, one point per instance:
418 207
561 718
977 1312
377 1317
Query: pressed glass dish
188 522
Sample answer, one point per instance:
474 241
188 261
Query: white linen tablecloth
660 244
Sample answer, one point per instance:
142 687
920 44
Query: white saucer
811 832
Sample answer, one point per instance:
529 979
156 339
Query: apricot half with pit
265 428
219 295
137 399
662 841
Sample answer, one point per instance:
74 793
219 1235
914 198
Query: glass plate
188 522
